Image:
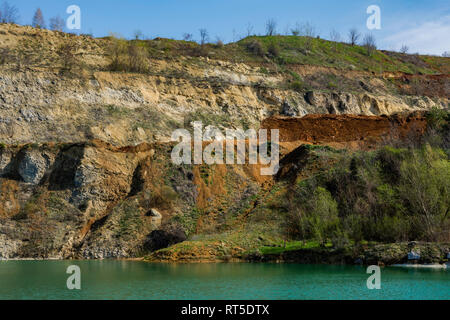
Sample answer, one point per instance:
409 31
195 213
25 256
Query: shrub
163 197
390 160
388 195
130 56
273 50
297 85
219 43
137 58
437 118
255 47
117 50
320 216
425 186
67 54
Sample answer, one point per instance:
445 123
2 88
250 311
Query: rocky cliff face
126 109
93 200
85 168
40 103
53 194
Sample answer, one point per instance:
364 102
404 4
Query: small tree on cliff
8 13
271 27
203 36
57 24
404 49
38 19
370 44
353 36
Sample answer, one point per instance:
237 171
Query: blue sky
422 25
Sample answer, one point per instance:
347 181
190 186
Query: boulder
32 167
156 216
292 109
288 109
412 255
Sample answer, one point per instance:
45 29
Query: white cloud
431 37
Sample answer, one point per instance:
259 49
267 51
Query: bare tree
404 49
335 36
38 19
287 29
296 29
249 29
188 37
271 27
138 35
203 36
8 13
308 30
353 36
370 44
57 24
446 54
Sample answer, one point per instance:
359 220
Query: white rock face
156 217
292 110
9 247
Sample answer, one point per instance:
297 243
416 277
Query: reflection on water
140 280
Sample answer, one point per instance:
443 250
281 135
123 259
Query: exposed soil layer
349 130
430 85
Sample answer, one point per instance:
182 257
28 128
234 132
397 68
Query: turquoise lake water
140 280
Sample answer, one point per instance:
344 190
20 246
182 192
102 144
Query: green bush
320 216
425 186
255 47
297 85
273 50
388 195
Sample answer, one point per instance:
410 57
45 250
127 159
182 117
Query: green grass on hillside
286 50
303 50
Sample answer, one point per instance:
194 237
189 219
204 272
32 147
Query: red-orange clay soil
350 131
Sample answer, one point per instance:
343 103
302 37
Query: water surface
140 280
